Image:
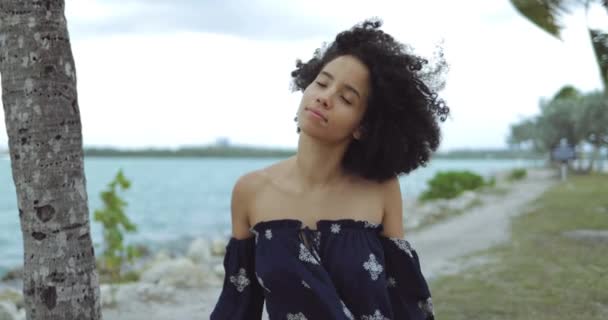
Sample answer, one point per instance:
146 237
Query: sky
172 73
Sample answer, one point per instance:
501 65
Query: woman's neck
318 165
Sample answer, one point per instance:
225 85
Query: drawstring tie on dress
311 241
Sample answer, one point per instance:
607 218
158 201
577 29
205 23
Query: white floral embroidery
306 256
268 234
391 282
426 306
297 316
376 316
256 234
403 245
261 282
373 267
305 284
368 224
240 280
346 311
335 228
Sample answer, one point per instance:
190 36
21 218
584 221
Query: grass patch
540 274
517 174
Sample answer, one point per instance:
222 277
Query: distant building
222 142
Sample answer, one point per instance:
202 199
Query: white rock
20 315
180 273
432 207
162 255
426 209
126 293
219 271
8 311
218 246
159 257
108 295
145 292
199 251
413 221
12 295
469 195
462 202
150 292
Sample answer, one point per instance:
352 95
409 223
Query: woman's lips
317 114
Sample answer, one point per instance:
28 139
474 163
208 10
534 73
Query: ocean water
172 200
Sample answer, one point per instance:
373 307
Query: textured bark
45 144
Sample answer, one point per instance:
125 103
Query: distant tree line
260 152
208 151
580 118
489 154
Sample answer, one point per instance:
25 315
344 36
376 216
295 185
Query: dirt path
439 247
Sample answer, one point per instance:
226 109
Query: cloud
262 20
171 88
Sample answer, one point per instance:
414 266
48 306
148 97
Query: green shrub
517 174
113 219
450 184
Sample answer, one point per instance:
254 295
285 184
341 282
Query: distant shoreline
258 152
247 151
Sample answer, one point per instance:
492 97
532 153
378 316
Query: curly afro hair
401 122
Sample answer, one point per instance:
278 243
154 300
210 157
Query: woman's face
339 94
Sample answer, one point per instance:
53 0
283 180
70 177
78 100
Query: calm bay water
173 199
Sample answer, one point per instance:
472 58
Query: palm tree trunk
60 280
600 162
595 161
580 155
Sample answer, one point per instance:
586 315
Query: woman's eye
321 84
347 102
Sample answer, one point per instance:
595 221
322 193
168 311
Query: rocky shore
186 285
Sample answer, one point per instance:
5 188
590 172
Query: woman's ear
358 133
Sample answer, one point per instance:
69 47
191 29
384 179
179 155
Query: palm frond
599 39
546 14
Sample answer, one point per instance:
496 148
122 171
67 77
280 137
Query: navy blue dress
344 269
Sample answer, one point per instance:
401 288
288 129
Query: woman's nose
323 101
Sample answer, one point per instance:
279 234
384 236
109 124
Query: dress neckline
321 225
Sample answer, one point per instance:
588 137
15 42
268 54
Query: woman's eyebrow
351 88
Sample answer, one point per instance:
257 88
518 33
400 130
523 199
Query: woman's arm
392 220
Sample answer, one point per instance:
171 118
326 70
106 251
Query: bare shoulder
244 192
392 200
249 182
390 185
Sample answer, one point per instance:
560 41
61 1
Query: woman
320 235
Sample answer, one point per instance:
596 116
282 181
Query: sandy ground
440 247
